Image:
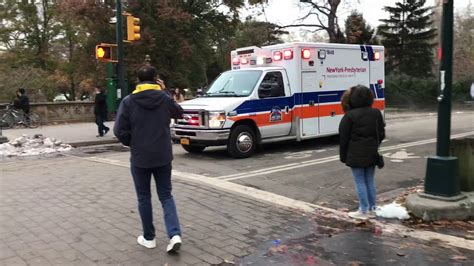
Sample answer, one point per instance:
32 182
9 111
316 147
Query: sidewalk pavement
69 210
76 134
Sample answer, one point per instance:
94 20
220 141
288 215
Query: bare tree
325 12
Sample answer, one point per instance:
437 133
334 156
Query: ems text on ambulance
289 91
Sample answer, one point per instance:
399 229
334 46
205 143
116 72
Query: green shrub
402 90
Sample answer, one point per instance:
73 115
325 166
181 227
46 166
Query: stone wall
64 112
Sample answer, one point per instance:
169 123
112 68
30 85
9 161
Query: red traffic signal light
103 52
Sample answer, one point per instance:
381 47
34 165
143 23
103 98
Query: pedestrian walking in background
100 111
361 131
178 96
142 123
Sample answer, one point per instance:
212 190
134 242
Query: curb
87 143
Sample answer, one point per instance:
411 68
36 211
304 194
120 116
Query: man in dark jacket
100 111
23 103
361 131
142 123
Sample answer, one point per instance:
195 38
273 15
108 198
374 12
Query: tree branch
302 25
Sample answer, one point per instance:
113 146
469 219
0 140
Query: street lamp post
442 178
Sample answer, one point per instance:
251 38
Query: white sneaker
359 215
174 245
146 243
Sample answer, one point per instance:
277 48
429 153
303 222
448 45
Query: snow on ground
392 210
28 146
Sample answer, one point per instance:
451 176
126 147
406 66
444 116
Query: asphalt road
310 170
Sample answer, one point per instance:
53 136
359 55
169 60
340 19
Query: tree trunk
333 28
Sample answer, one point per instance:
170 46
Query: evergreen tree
357 31
408 38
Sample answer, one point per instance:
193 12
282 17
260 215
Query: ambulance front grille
192 118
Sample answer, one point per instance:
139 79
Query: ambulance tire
193 148
242 142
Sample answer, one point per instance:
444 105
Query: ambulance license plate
184 141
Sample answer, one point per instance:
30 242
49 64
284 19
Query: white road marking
286 167
309 208
257 171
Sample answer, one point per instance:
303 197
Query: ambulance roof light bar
235 61
277 56
288 54
305 53
376 56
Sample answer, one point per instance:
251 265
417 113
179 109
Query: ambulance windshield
234 84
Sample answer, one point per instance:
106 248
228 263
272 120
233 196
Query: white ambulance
289 91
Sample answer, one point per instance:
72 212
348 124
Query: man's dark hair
147 73
22 91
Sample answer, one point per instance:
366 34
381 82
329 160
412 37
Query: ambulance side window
271 86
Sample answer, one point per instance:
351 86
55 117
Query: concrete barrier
63 112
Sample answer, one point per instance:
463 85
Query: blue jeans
365 187
142 180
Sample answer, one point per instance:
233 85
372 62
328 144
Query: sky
285 12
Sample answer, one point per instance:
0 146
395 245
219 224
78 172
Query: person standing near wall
100 111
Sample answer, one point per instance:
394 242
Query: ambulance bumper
207 137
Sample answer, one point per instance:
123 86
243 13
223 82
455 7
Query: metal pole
446 74
442 170
120 55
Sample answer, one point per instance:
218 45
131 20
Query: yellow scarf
145 87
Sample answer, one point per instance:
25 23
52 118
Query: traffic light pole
442 178
120 55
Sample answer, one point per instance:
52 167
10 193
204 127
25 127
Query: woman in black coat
361 131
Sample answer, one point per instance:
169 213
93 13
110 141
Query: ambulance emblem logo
275 114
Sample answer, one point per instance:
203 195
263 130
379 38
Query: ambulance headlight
216 119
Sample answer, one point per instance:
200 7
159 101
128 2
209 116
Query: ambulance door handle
311 103
333 113
287 109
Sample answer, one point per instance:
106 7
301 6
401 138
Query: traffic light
133 28
103 52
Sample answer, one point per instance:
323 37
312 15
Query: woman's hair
360 96
346 101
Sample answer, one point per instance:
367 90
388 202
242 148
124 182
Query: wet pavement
327 241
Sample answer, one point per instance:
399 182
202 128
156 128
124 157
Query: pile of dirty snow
392 210
26 146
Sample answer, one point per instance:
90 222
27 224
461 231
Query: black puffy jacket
358 130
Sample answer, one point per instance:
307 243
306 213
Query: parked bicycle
13 117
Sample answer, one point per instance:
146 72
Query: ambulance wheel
193 148
242 142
